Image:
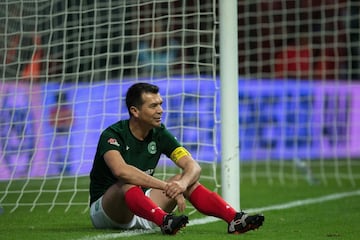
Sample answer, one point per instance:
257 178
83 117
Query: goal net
65 71
298 94
66 67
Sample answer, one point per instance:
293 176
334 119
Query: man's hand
174 188
181 202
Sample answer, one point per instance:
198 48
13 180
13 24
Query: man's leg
114 204
143 206
171 222
159 197
121 202
212 204
204 200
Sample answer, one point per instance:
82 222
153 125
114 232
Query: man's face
151 110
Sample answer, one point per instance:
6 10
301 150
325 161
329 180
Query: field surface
328 208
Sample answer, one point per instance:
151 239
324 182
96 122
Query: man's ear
134 111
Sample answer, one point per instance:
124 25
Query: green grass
334 219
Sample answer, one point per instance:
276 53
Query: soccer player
123 192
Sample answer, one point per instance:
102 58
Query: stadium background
264 28
299 154
90 51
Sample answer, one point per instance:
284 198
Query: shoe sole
178 229
255 224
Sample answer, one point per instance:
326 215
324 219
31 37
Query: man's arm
189 176
130 174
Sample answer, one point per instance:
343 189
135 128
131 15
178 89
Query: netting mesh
298 87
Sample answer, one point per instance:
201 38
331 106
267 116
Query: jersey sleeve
173 149
108 142
178 153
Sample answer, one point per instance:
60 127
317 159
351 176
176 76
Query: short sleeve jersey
143 155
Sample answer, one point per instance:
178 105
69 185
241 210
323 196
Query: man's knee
190 189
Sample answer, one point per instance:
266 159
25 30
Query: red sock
143 206
211 204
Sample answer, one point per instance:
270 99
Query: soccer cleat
172 224
244 222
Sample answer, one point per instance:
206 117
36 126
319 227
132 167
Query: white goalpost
230 164
268 89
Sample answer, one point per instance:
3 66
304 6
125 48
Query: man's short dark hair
134 94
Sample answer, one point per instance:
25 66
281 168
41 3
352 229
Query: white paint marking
206 220
308 201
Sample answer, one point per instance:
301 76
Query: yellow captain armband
178 153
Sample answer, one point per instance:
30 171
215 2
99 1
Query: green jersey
143 155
